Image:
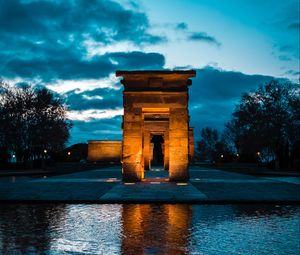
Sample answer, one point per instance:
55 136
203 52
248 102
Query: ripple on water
149 229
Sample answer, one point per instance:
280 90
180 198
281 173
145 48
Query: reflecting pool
149 229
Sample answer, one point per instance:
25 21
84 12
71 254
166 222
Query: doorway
157 145
156 172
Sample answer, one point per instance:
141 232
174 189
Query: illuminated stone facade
156 114
104 151
191 145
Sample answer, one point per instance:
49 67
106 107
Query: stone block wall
104 151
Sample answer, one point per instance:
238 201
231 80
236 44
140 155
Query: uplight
181 184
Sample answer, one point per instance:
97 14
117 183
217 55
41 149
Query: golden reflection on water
148 229
155 229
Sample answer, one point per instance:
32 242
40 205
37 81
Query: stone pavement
105 186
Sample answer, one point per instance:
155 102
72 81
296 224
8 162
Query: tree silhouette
267 120
206 147
32 121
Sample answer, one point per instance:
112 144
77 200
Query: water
149 229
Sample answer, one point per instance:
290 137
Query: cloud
80 85
292 72
47 40
68 67
290 49
284 58
102 20
214 94
182 26
100 98
204 37
217 84
94 114
294 26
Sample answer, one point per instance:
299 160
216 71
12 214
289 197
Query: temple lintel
162 80
190 73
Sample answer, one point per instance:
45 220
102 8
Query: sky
74 47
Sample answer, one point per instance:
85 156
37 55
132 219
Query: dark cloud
214 94
284 58
196 36
137 60
182 26
291 48
47 39
216 84
100 98
204 37
103 20
294 26
68 66
292 72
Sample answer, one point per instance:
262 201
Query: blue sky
74 47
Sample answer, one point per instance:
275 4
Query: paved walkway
105 186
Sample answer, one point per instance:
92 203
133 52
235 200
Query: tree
267 120
207 144
32 121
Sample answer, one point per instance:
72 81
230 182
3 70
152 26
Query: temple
156 123
156 130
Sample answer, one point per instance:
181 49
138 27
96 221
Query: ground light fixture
181 183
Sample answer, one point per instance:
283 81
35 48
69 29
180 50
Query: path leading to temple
105 186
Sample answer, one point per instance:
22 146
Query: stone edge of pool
206 186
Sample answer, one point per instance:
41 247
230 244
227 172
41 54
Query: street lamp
45 151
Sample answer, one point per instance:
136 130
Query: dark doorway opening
157 173
158 155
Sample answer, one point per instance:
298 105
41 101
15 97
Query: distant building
104 151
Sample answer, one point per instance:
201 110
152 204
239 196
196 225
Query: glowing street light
69 153
237 155
45 151
222 156
258 153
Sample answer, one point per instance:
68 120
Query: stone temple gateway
156 123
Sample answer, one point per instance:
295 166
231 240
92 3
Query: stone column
191 145
132 146
146 150
166 152
178 145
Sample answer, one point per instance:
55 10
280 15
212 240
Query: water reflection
155 229
28 228
148 229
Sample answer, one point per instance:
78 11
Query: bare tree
32 121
